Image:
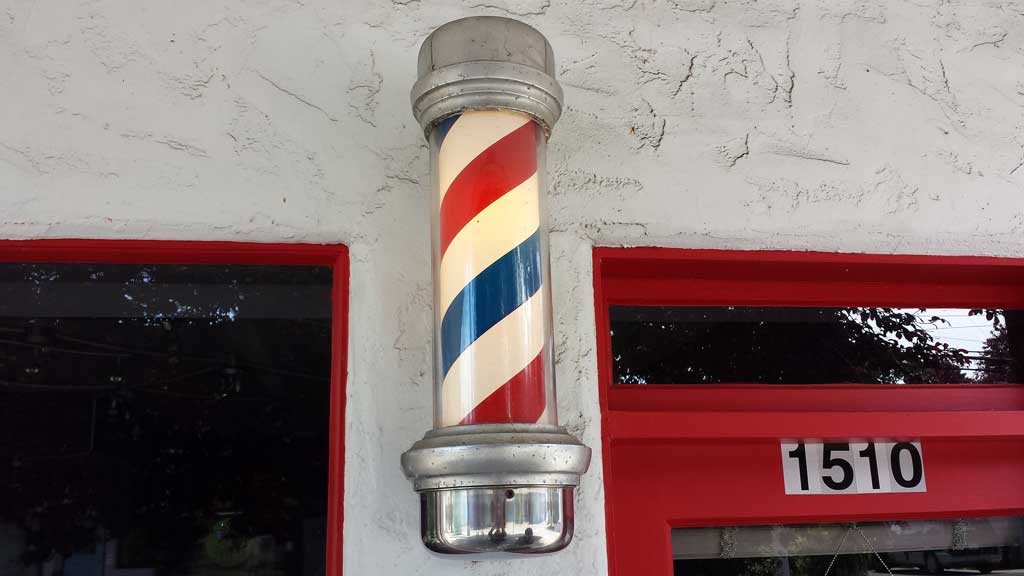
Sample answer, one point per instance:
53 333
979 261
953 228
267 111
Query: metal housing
486 62
496 487
496 455
492 487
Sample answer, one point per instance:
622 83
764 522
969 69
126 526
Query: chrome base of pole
521 520
496 487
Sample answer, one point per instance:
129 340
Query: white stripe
494 358
473 132
500 227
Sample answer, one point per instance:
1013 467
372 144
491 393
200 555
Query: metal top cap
486 62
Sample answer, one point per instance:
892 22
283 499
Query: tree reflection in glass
790 345
168 419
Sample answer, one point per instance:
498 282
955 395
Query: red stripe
521 399
504 165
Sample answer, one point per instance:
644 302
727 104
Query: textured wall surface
845 125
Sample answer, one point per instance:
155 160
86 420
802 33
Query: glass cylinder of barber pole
492 295
496 473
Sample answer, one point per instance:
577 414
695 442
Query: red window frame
238 253
651 434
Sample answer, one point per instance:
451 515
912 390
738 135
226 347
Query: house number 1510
875 467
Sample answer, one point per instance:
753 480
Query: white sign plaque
871 467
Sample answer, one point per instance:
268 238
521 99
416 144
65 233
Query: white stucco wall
844 125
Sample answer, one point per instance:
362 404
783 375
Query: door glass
163 420
779 345
968 546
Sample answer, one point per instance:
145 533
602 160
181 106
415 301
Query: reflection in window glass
163 420
778 345
867 549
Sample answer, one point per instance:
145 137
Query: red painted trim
169 252
706 426
774 397
199 252
604 370
339 377
685 455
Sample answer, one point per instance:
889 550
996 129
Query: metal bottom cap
513 519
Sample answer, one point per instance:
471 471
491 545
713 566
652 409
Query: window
816 345
171 408
710 360
855 549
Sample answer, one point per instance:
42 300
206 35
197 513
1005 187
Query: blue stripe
443 127
492 295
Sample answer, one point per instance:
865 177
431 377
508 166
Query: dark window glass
163 420
866 549
776 345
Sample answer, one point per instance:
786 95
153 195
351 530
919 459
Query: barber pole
496 474
492 294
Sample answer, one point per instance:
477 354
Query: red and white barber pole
493 302
497 473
